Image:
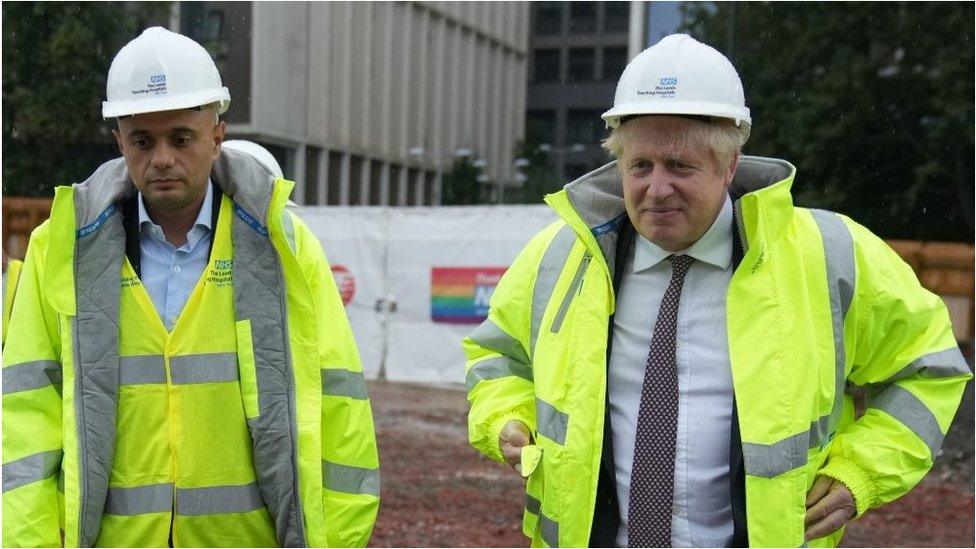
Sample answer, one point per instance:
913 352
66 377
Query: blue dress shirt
169 274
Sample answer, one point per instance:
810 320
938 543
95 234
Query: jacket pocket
574 288
246 369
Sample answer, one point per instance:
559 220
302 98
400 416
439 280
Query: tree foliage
873 102
55 60
540 177
460 186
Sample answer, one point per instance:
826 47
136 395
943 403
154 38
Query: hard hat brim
115 109
692 108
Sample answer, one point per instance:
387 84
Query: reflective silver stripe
215 500
204 368
839 256
549 530
289 226
945 363
344 383
490 336
496 368
551 422
770 460
30 375
349 479
32 468
557 322
140 500
142 370
545 281
904 406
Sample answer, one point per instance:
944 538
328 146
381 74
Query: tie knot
681 263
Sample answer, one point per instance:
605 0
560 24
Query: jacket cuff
495 428
855 478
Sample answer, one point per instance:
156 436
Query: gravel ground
439 492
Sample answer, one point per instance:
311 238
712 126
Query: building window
581 64
548 17
616 16
584 126
312 155
355 181
545 66
582 17
376 183
540 126
394 189
335 179
614 61
429 180
413 175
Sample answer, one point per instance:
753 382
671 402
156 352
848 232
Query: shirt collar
714 247
204 218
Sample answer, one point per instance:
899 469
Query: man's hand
513 437
829 506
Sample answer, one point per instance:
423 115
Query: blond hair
719 135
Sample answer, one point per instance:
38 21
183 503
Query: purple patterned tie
652 476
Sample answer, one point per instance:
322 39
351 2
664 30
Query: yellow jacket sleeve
498 374
350 462
906 356
32 436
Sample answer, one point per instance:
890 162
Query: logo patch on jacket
222 273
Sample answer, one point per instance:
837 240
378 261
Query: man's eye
182 140
640 165
141 143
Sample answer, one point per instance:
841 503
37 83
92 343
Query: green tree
55 60
460 186
873 102
540 178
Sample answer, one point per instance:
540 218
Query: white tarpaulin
418 278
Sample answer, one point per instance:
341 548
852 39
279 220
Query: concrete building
577 51
371 102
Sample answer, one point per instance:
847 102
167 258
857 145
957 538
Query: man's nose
162 156
659 185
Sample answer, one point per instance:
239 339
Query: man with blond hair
668 363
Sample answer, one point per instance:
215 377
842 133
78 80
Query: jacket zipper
574 287
292 404
80 420
740 224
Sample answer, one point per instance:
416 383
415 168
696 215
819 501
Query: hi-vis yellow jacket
10 289
817 303
248 424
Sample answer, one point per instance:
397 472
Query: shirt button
674 510
177 269
173 319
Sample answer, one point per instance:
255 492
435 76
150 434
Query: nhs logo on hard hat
669 81
157 84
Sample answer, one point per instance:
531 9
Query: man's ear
732 167
220 131
118 140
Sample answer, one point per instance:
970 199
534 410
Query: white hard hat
679 75
161 70
260 154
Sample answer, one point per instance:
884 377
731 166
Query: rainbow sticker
460 295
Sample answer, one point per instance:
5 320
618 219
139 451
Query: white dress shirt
169 273
702 512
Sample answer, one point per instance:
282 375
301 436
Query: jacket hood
598 201
239 175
